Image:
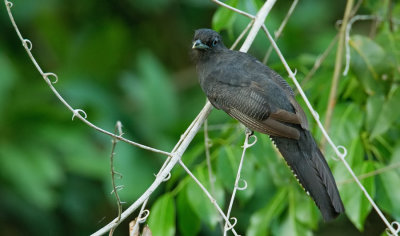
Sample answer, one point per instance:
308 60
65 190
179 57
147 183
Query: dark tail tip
330 214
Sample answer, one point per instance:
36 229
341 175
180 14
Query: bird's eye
214 42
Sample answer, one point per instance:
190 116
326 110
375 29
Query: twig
236 187
319 61
234 9
118 130
211 178
142 217
207 145
338 65
133 230
280 29
356 7
372 173
242 35
347 44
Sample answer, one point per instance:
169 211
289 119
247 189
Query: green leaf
307 213
396 154
134 170
8 79
388 196
378 8
227 164
223 17
227 167
267 157
389 39
388 114
367 61
249 175
346 124
374 108
290 226
261 220
356 204
162 217
32 174
188 222
85 51
388 193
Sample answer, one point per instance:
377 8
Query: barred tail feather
309 165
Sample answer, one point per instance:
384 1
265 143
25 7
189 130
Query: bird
260 99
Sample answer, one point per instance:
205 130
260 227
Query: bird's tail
311 170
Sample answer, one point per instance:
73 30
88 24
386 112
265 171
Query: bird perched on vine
263 101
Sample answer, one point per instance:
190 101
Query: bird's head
206 41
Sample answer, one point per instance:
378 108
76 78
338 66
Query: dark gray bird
262 100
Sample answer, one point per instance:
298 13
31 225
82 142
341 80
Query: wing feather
267 126
254 107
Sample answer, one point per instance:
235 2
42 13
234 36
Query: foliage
129 61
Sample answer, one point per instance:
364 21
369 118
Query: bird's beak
199 45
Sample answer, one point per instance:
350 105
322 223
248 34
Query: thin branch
118 130
234 9
133 229
320 60
246 145
347 37
211 177
280 29
242 35
372 173
338 65
142 217
356 7
207 145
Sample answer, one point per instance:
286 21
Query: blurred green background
129 60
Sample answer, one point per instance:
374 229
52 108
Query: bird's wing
285 86
247 72
266 109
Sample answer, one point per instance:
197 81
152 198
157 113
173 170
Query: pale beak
199 45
